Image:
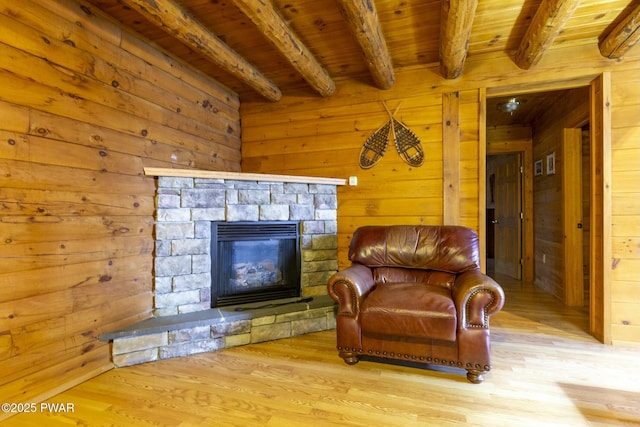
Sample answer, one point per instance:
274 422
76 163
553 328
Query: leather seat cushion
414 310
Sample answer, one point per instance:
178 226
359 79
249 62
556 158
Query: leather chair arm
349 287
477 297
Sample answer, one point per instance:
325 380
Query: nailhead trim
341 300
428 359
485 316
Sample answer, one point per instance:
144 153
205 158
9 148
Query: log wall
323 137
84 106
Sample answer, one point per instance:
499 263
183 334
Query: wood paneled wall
323 137
548 193
625 208
84 106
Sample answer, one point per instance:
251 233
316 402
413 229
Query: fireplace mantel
241 176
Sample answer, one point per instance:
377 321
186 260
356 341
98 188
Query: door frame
601 197
525 149
600 214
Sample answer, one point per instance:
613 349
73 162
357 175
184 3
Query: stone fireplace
188 317
188 206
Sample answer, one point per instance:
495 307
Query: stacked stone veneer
134 347
185 209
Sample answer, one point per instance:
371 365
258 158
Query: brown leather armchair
416 293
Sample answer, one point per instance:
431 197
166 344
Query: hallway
531 309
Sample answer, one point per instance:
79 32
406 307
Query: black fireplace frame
222 232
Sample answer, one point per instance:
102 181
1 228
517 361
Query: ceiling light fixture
510 106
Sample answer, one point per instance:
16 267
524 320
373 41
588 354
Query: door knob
494 221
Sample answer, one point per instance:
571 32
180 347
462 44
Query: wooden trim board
193 173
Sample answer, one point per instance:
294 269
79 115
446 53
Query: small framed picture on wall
538 167
551 163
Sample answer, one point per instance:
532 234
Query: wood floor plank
547 370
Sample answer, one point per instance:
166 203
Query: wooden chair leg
349 357
474 376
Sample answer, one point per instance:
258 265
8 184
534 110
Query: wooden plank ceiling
264 48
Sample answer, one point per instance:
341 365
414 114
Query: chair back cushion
447 248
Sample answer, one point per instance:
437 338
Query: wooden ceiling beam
362 19
275 29
455 30
178 22
545 26
623 36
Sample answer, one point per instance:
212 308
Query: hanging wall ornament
375 146
407 143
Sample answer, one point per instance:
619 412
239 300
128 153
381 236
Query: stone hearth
184 322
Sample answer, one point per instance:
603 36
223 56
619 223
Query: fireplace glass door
252 262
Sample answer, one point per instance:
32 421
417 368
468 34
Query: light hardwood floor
547 371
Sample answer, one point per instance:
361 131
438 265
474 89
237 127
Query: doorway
512 128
